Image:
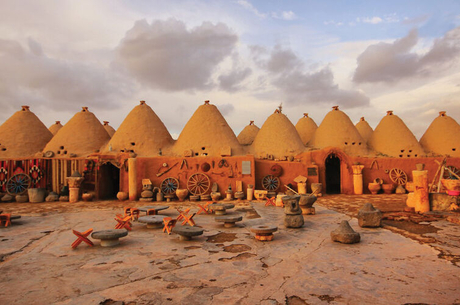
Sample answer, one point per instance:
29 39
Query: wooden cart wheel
270 183
448 175
169 185
398 176
198 184
18 184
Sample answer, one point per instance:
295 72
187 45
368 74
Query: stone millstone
345 234
186 232
109 238
147 194
293 221
229 220
152 221
369 216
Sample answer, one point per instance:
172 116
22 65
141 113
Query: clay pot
374 187
378 180
410 187
160 196
122 196
215 196
388 188
181 194
316 188
451 184
36 195
87 196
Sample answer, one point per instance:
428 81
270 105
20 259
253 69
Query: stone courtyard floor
401 263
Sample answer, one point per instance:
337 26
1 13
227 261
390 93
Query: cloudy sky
246 56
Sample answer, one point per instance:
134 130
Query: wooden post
421 198
132 178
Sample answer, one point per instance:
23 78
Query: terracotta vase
388 188
87 197
181 194
374 188
122 196
215 196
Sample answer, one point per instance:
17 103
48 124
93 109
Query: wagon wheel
270 183
398 176
18 184
169 185
198 184
448 175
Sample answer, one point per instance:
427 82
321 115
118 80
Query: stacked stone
147 193
293 217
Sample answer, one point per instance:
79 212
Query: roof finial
280 107
362 119
206 102
305 115
251 122
106 123
25 108
142 102
84 109
442 113
58 122
335 107
390 112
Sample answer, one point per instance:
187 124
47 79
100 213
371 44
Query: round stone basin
229 220
152 221
157 208
218 208
109 238
187 232
264 229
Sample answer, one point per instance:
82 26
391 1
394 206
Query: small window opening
346 143
415 155
453 149
410 150
65 152
58 152
196 154
359 143
205 154
408 156
61 147
352 143
203 148
3 149
400 156
402 150
133 144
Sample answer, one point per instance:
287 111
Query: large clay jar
122 196
374 188
181 194
388 188
316 188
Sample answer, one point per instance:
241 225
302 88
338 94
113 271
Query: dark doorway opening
332 174
109 182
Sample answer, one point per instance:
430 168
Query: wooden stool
123 222
188 219
82 237
135 214
5 218
270 201
182 213
204 208
152 212
127 211
169 224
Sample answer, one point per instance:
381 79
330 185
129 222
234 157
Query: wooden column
132 178
420 197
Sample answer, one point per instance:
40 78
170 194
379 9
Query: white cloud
373 20
247 5
286 15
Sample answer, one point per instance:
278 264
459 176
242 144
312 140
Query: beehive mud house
207 150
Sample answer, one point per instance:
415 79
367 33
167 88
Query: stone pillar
421 198
74 193
132 178
74 183
250 192
358 179
302 187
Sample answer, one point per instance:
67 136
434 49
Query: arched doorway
109 182
332 174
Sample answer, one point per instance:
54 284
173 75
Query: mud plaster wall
150 167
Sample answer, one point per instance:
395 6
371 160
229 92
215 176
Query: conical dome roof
306 128
391 137
81 136
442 137
23 135
55 127
364 129
143 132
207 133
248 134
110 130
337 130
277 137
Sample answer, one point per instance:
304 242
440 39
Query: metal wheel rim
169 185
270 183
18 184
